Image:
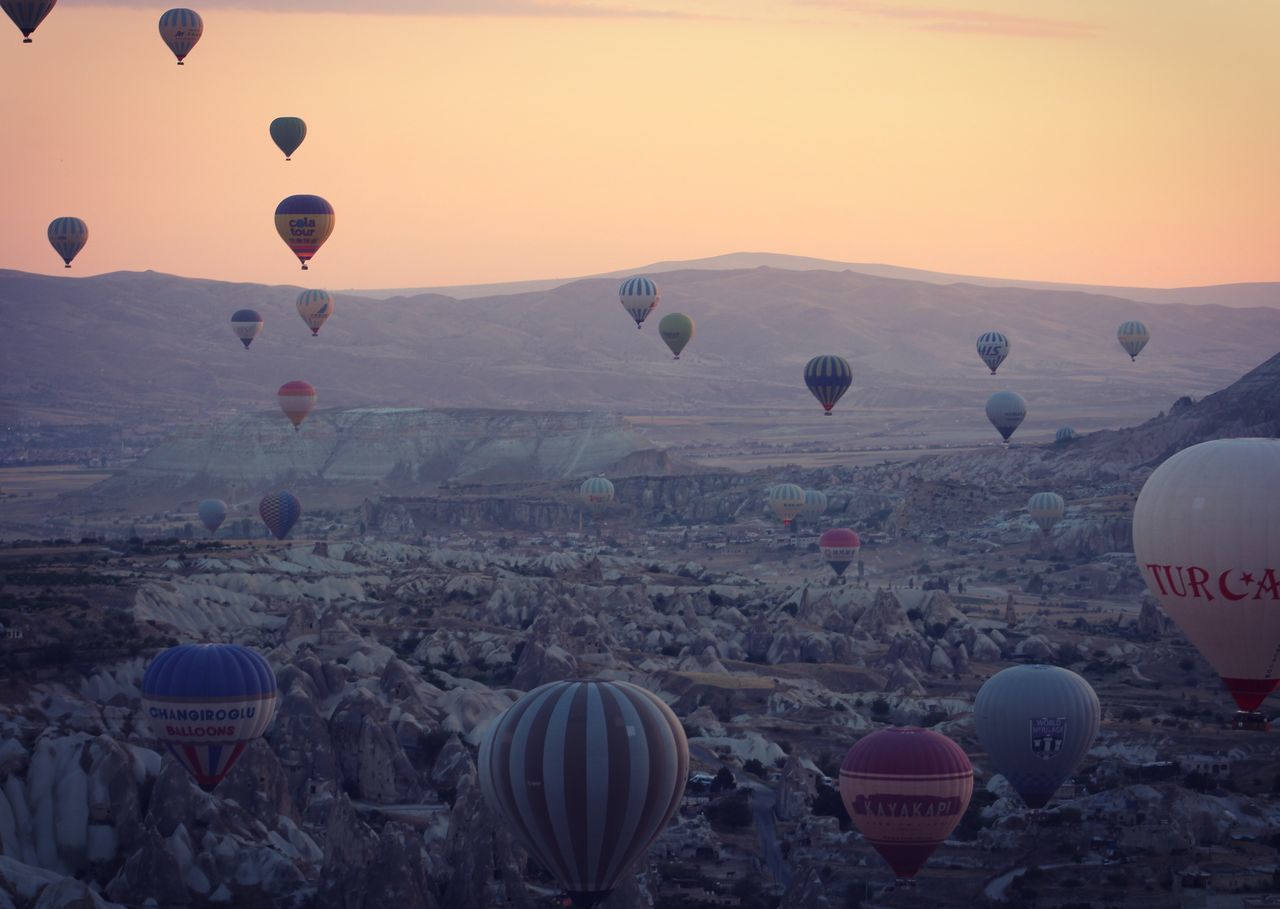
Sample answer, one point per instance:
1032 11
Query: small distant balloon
1006 410
212 512
639 297
787 501
1065 434
287 133
828 378
596 493
993 347
27 14
304 223
1046 509
68 236
296 400
676 329
181 29
1133 336
246 324
839 546
280 511
815 504
315 307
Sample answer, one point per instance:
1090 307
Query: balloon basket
26 40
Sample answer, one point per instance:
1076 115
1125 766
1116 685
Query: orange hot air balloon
906 789
296 400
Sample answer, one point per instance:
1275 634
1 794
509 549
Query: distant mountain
1238 295
157 350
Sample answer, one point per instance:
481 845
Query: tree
827 803
754 766
723 782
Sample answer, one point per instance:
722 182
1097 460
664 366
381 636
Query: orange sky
1094 141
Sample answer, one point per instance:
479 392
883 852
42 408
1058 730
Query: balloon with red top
906 790
296 400
839 546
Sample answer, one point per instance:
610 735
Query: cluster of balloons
639 296
279 512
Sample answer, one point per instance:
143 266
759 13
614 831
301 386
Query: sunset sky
468 141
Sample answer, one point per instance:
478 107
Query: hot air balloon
68 236
1133 337
1006 410
1037 723
181 29
304 223
993 347
206 702
786 500
839 546
27 14
596 493
315 307
828 377
815 504
246 323
1065 434
280 511
1206 533
212 513
587 774
287 133
677 330
905 790
1046 509
639 297
296 400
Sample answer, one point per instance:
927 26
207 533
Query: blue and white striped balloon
993 347
181 29
68 236
1133 336
27 14
639 297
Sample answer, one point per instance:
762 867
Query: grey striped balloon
587 774
1037 722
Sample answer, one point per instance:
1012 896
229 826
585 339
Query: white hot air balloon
787 501
1206 533
1046 509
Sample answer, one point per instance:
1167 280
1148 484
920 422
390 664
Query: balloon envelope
839 546
905 790
676 330
1037 723
587 774
68 236
815 504
1006 410
639 297
212 513
596 493
287 133
993 347
1206 533
1065 434
27 14
246 324
304 223
1046 509
181 29
828 378
315 307
787 501
280 511
206 702
1133 336
296 400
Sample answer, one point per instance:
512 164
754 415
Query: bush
880 707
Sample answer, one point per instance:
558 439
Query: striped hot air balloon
993 347
315 307
639 297
27 14
905 790
587 774
787 501
839 546
287 133
1046 509
181 29
828 378
206 702
1006 410
1133 336
212 512
296 400
815 504
1037 722
280 511
1065 434
246 324
68 236
596 493
676 330
304 223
